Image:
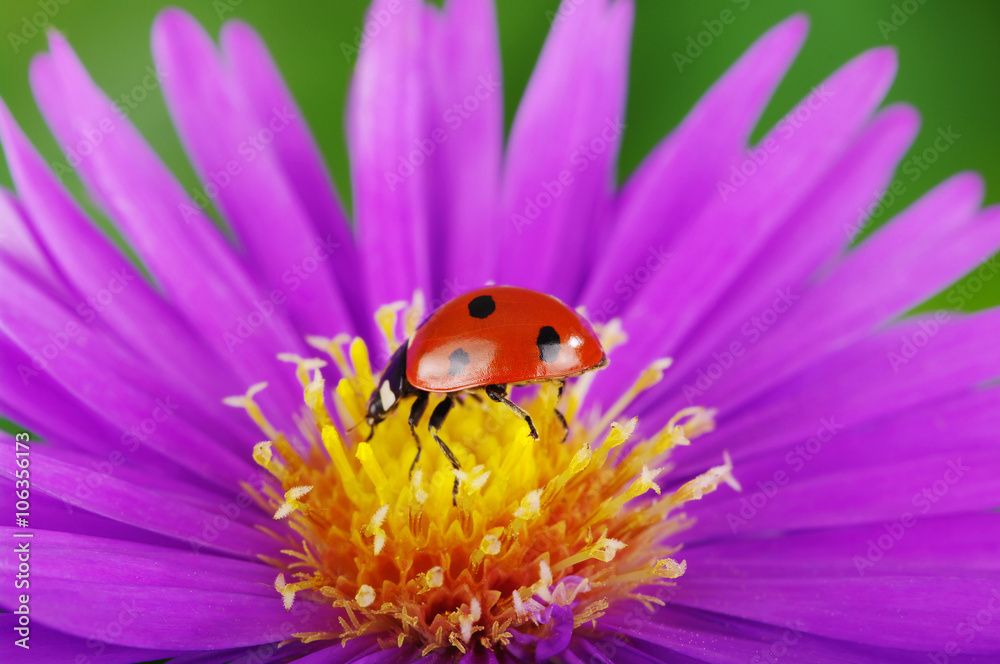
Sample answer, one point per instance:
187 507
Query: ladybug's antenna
356 425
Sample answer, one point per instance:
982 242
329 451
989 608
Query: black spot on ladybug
482 306
548 344
458 358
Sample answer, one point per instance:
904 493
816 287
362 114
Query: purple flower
160 525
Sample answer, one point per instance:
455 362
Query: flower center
545 535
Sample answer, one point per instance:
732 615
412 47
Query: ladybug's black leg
562 418
416 412
498 393
437 419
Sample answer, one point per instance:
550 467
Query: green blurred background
950 67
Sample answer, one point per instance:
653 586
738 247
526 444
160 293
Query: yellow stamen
557 522
247 403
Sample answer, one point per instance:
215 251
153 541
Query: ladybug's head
390 388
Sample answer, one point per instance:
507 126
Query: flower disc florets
545 535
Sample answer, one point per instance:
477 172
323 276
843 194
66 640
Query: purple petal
261 653
679 177
563 149
19 246
257 77
47 646
101 375
921 544
867 381
618 651
104 287
561 632
386 121
477 656
232 153
815 237
921 610
335 653
107 489
727 238
713 638
906 613
927 248
148 597
139 194
867 474
27 391
58 514
387 656
467 115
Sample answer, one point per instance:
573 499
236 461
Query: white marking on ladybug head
386 395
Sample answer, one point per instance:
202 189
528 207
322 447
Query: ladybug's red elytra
487 339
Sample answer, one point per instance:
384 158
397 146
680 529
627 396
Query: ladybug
488 339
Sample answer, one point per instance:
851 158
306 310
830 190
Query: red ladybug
487 339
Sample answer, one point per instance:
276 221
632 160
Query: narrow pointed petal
27 390
865 382
868 474
181 600
18 245
105 289
386 122
160 221
189 516
258 78
914 595
801 150
467 116
100 375
928 247
51 646
233 155
814 238
713 637
679 178
559 168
